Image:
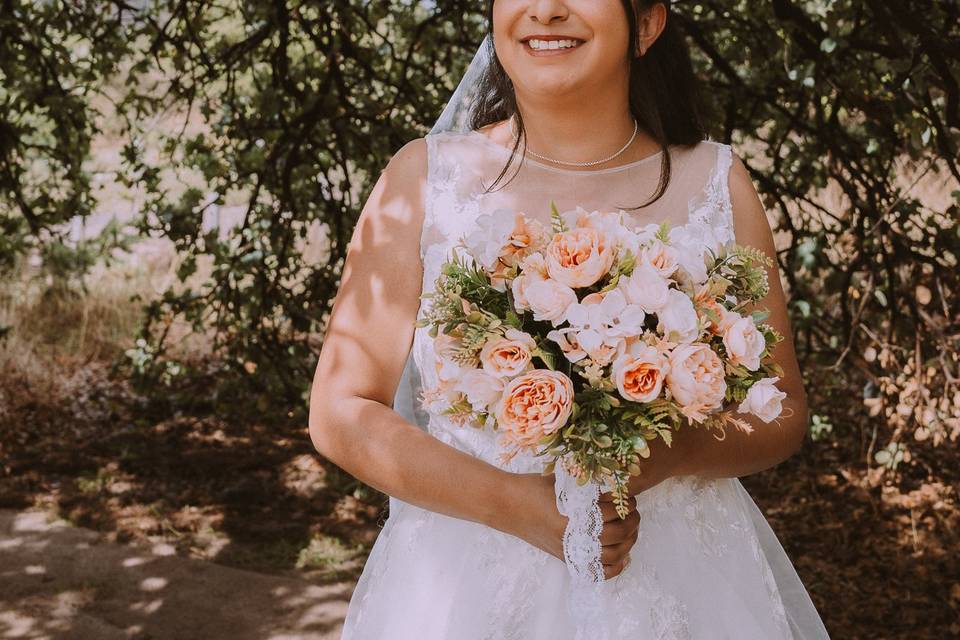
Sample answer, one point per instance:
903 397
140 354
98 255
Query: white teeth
553 44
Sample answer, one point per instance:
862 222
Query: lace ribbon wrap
581 553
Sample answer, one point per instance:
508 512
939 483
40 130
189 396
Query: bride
602 96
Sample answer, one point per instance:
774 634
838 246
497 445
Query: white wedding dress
706 564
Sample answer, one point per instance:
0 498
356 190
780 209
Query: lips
545 43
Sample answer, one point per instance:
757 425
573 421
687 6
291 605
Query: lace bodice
461 166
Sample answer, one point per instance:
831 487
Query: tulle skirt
706 565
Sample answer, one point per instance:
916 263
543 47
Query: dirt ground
184 527
60 581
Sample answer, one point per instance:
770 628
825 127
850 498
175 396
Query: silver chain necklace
636 127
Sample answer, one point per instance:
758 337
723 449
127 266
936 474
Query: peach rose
744 343
528 235
579 257
703 301
696 379
508 356
533 405
640 371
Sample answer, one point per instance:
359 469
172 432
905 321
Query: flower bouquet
585 341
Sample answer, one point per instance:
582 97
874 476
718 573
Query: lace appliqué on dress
512 604
713 209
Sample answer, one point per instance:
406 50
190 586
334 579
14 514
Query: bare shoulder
404 177
394 210
410 160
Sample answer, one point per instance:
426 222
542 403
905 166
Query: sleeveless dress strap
724 161
717 192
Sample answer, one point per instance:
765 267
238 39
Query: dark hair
664 95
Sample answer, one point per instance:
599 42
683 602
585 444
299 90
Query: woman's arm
368 337
697 451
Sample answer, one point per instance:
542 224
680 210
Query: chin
553 85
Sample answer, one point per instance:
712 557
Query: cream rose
763 399
579 257
481 389
646 287
696 379
533 405
549 300
508 356
744 343
677 319
688 243
660 257
533 268
639 373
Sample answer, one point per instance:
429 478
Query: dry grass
55 331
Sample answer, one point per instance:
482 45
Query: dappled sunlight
134 562
117 591
153 584
148 607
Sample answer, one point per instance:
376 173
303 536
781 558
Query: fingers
614 553
617 536
616 531
609 510
613 570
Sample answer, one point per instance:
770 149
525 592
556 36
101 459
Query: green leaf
559 226
666 435
547 358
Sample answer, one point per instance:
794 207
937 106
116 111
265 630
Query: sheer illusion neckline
505 151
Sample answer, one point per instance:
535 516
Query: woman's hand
531 514
618 536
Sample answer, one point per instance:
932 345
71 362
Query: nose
544 11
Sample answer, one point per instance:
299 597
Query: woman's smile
539 46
